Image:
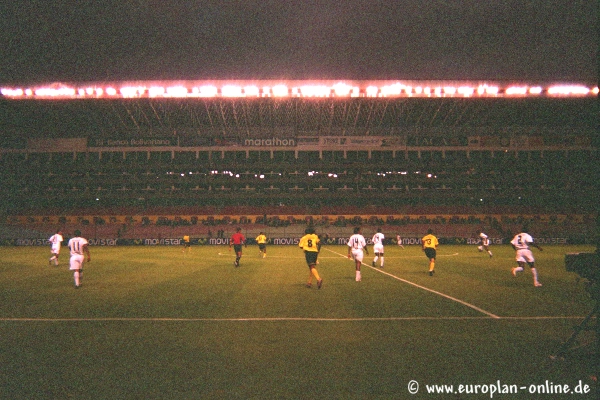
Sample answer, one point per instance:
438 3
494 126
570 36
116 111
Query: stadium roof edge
293 88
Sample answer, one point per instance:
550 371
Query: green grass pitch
157 323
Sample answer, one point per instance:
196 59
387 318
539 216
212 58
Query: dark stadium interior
193 154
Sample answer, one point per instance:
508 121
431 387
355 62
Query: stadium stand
225 158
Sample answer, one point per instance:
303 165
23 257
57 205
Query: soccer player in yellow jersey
430 243
261 239
311 244
186 243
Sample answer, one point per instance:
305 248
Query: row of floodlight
339 89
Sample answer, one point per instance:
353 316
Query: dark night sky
95 40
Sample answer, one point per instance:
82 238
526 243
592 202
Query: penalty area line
464 303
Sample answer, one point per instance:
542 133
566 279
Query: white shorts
76 262
525 255
378 248
357 254
55 249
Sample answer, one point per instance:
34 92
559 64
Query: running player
378 239
237 241
356 245
261 239
78 247
485 243
521 244
55 241
430 244
311 244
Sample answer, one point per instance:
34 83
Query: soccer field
156 323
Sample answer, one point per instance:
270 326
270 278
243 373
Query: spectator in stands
55 241
237 241
356 245
261 239
522 243
78 247
429 245
311 245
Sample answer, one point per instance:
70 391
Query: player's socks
535 275
76 278
315 273
431 266
381 261
358 277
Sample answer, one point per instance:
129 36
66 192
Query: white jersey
357 242
76 246
378 238
55 240
378 242
485 241
521 241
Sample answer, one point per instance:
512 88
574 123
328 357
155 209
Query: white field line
425 288
284 319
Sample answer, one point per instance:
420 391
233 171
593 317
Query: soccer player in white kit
521 243
79 248
55 242
485 244
399 240
378 239
356 245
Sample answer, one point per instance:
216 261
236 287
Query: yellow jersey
261 239
429 241
309 242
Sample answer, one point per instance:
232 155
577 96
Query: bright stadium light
391 90
11 92
451 90
342 89
252 91
131 91
205 91
536 90
231 91
280 91
516 91
466 91
155 91
177 91
372 91
55 92
566 90
307 89
315 91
